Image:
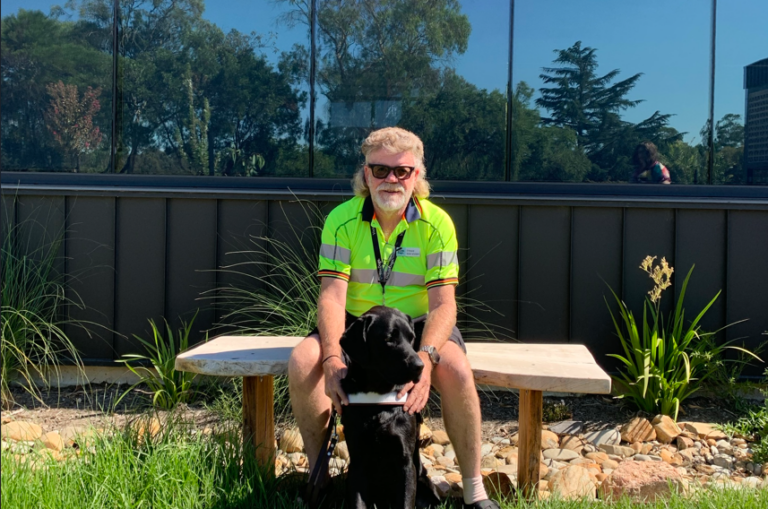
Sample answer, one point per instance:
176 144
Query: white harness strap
373 398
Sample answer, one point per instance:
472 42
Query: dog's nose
416 364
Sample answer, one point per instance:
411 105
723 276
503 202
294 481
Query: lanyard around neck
384 271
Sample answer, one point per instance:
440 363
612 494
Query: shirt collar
412 211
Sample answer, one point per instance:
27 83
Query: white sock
474 490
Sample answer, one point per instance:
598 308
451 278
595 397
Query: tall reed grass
34 307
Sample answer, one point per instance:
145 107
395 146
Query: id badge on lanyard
385 271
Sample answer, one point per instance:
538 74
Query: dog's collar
374 398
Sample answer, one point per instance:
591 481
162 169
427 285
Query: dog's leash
319 474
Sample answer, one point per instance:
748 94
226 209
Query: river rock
549 440
606 436
573 482
440 437
21 431
704 430
442 486
342 450
723 461
618 450
666 429
425 434
291 441
683 443
560 454
642 481
572 443
638 429
567 427
498 485
52 441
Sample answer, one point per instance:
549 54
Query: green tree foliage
376 55
36 51
590 105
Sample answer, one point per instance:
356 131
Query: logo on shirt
409 251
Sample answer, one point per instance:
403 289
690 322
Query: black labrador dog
385 469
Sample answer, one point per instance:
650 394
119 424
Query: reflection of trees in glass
590 106
386 62
728 165
37 51
252 107
70 119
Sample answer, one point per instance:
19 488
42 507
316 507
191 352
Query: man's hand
418 393
335 370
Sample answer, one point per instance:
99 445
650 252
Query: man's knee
454 368
304 361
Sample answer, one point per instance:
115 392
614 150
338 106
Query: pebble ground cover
169 461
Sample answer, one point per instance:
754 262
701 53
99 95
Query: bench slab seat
532 368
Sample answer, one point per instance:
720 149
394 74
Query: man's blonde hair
393 140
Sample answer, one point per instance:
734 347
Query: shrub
664 362
34 301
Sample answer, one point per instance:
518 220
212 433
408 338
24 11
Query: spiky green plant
664 362
34 307
169 387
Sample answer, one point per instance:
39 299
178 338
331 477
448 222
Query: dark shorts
418 326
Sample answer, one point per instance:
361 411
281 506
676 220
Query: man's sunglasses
381 171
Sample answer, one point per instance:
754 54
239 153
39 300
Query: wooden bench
533 369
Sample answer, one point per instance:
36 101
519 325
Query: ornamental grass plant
168 386
665 358
33 343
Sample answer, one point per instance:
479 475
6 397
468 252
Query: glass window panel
741 93
437 68
594 78
212 88
56 98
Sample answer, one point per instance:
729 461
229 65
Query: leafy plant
664 361
169 387
33 343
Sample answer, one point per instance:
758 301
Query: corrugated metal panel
595 265
190 263
646 232
545 245
491 270
140 264
700 240
8 211
41 223
91 268
458 215
747 278
241 224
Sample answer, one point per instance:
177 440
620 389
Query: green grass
180 469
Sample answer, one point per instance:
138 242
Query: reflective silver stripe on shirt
336 253
441 259
370 276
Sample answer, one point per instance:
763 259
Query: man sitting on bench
390 246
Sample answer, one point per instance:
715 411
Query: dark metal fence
541 255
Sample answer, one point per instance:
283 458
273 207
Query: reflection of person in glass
648 168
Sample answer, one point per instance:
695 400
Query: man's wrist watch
434 357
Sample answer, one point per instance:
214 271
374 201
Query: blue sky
666 40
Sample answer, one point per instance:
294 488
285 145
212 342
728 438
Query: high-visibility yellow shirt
427 257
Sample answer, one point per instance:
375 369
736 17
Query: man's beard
389 202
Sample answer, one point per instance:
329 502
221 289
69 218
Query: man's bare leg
454 380
311 407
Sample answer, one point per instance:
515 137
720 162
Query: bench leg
529 442
259 416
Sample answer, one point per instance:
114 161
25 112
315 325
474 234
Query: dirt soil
89 406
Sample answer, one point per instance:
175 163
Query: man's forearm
440 323
330 323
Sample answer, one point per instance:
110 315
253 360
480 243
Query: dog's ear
354 341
